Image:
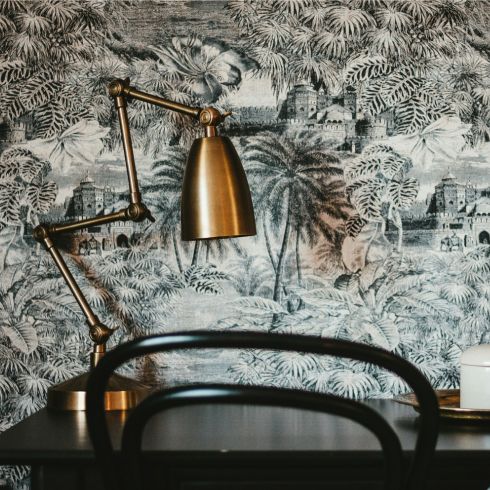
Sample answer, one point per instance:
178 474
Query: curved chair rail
429 409
219 393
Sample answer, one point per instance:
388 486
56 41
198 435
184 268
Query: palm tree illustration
311 223
251 276
219 248
294 176
169 209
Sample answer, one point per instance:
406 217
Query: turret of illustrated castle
89 199
452 197
457 217
350 101
302 102
16 132
371 128
306 105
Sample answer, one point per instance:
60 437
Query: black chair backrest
130 467
429 410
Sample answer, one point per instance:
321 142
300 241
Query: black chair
125 472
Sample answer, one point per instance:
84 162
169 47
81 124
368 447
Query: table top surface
218 429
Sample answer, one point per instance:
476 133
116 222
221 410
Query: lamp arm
209 117
99 332
136 211
120 90
44 233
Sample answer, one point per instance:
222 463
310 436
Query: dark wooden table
243 447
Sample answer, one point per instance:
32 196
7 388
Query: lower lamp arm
99 332
137 212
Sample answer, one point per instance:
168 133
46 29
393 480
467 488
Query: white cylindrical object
475 377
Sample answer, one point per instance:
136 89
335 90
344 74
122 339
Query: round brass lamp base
122 393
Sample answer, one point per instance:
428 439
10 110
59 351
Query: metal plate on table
449 407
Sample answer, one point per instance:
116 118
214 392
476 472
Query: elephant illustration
451 243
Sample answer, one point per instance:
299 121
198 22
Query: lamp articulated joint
138 212
41 233
99 333
118 87
209 117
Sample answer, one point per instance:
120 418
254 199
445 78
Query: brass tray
449 407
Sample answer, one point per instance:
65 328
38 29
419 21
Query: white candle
475 377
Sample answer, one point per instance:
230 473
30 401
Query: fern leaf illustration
368 199
50 120
257 306
30 168
372 100
38 91
22 335
41 196
411 115
400 86
10 197
403 193
354 225
367 68
11 71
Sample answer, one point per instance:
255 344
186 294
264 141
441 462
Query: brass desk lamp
216 203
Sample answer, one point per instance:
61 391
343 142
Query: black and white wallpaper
363 126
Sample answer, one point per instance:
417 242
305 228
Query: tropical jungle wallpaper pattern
363 126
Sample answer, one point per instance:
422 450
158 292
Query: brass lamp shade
216 201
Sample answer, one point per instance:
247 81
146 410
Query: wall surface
363 129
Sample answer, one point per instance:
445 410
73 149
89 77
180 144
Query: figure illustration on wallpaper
363 127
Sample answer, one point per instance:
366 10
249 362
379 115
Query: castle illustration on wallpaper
339 117
15 132
457 217
89 200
